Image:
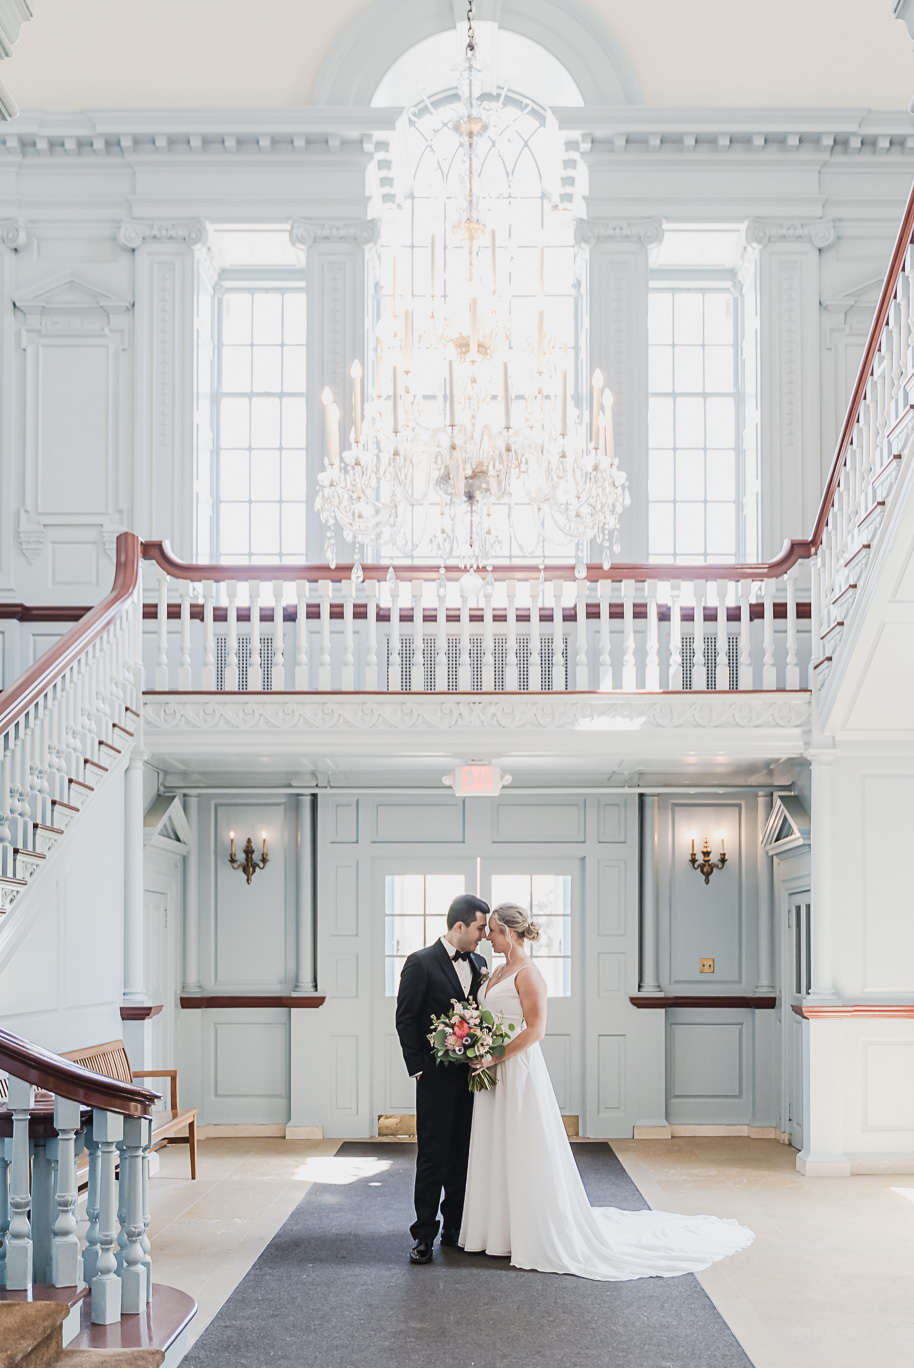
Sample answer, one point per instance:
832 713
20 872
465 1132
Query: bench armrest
171 1074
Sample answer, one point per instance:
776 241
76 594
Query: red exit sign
474 780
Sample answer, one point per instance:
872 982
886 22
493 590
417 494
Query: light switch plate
706 966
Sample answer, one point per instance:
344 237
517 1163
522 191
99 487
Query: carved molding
406 712
820 232
305 232
31 536
649 231
13 14
14 234
73 306
133 233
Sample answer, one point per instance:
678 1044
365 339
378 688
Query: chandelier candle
609 445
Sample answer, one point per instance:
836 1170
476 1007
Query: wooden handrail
40 1067
162 555
47 669
902 242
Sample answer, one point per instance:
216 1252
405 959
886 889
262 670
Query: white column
304 900
134 981
191 804
617 309
650 904
765 929
823 900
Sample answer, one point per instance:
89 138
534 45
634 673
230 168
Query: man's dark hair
466 908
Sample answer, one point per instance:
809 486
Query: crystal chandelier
425 473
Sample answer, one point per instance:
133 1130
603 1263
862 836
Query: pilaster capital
14 234
305 232
133 233
820 233
648 231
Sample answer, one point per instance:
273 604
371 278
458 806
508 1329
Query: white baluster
464 671
301 635
815 625
255 665
652 655
147 1259
19 1241
512 680
162 631
136 1139
581 674
675 635
699 669
536 673
347 683
184 679
66 1262
231 643
558 637
745 636
606 669
90 1253
4 1208
278 674
909 329
371 658
792 672
208 677
441 635
107 1128
488 651
769 669
394 668
6 831
722 663
417 672
324 590
629 671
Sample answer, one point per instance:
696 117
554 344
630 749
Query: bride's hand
480 1064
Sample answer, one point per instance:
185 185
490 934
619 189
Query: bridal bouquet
466 1033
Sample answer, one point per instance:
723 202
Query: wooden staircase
31 1335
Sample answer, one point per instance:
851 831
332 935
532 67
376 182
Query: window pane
267 318
690 423
660 316
511 888
404 935
236 368
690 528
235 422
661 538
721 475
661 368
719 369
660 422
440 892
265 422
405 894
293 422
720 423
687 318
718 317
265 529
236 318
234 538
690 475
268 368
293 528
294 475
688 369
555 936
660 475
294 318
265 474
721 529
293 369
557 973
234 481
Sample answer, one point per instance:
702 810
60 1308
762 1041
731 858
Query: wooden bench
111 1060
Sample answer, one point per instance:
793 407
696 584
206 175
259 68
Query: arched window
532 265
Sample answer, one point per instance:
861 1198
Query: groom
444 1104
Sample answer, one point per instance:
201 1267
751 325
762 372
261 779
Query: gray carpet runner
334 1288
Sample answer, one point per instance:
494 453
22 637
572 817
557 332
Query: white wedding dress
525 1197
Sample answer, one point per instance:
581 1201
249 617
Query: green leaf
471 1052
498 1051
487 1017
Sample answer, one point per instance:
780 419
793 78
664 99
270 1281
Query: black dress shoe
450 1237
421 1252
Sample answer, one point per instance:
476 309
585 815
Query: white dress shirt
462 968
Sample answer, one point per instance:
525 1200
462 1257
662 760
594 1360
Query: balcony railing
217 628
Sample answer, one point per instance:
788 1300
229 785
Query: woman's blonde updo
512 917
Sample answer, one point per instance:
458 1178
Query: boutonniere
483 975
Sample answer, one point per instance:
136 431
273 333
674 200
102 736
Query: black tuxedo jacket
427 984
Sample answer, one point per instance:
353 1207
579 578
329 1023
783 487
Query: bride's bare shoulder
531 974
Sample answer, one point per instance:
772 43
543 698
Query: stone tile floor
827 1283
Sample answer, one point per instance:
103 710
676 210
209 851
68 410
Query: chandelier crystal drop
501 430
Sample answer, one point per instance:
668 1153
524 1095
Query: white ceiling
231 54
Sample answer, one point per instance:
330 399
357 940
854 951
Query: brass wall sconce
248 866
706 865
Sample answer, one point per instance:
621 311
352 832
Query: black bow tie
462 955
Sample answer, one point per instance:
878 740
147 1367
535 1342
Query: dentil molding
13 234
406 712
820 233
647 231
133 234
305 232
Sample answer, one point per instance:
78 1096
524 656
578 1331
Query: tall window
261 484
694 390
547 897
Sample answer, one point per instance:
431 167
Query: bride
524 1196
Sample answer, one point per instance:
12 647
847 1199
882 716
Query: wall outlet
706 966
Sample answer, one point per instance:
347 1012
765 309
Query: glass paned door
551 890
